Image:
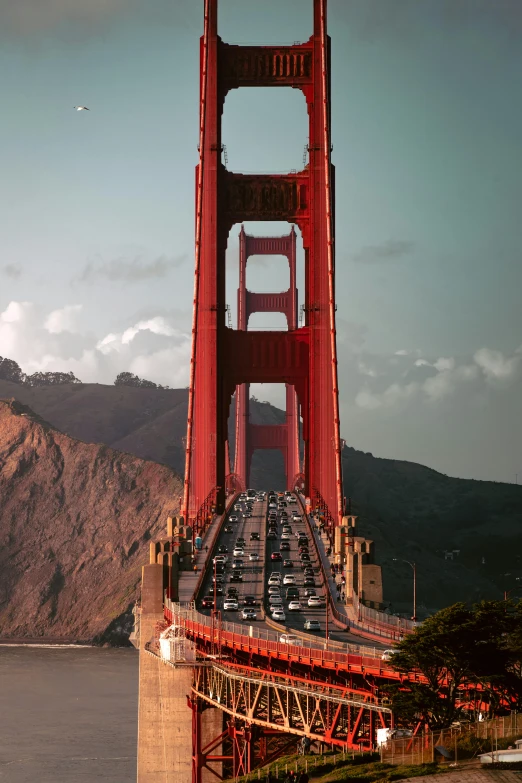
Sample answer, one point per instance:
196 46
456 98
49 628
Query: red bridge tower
303 358
250 437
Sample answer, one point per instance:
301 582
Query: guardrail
189 617
379 623
210 553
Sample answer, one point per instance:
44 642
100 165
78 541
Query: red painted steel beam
305 358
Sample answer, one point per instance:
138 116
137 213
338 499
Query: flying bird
81 108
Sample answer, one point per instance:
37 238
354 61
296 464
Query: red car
276 556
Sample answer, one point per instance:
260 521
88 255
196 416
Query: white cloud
151 348
422 363
495 365
64 320
444 364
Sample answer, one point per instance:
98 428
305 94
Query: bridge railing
381 624
186 613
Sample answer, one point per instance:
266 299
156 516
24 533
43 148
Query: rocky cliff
75 520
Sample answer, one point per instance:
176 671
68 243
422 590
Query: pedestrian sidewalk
188 580
323 543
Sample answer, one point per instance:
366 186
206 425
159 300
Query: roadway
255 574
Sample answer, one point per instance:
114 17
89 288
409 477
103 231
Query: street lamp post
414 567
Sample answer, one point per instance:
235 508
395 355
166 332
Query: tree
10 371
456 647
129 379
50 378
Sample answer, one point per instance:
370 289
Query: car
240 541
253 557
232 592
309 591
232 518
271 534
272 505
230 605
208 601
222 548
285 546
278 615
275 579
294 606
292 593
303 549
220 559
247 515
312 625
309 581
291 638
217 579
277 603
289 579
288 563
228 528
237 507
296 518
304 557
237 563
237 576
285 536
309 572
387 655
248 614
238 551
219 590
255 537
274 590
276 556
315 600
286 529
249 600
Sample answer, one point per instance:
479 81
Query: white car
315 600
220 559
275 579
387 655
296 518
285 536
294 606
230 606
253 557
276 602
279 615
248 614
232 518
291 638
238 551
274 590
289 579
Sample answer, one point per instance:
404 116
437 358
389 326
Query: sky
97 208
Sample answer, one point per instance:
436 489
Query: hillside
411 511
75 520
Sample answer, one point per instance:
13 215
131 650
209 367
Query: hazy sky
96 246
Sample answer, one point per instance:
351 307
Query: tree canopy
129 379
457 649
11 371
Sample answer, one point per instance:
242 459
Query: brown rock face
75 520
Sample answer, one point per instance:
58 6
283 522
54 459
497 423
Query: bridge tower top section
306 357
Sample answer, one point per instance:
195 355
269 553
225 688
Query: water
68 715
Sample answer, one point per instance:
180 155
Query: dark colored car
236 577
240 541
288 563
208 601
304 557
232 592
271 534
255 537
309 581
249 600
303 549
285 546
276 556
228 528
222 549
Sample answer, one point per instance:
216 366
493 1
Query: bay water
68 714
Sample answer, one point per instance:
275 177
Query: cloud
392 249
444 364
64 320
152 348
495 365
130 271
13 271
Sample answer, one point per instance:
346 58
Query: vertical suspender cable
331 286
197 270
